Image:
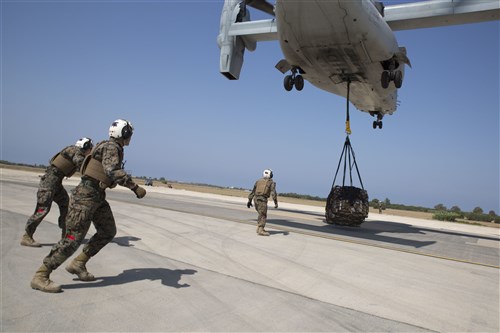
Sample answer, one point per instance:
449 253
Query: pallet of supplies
346 205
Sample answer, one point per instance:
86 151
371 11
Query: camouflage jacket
263 189
110 154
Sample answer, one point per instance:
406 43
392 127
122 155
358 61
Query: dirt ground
244 194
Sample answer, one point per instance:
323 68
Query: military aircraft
346 47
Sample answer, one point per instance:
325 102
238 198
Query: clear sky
69 68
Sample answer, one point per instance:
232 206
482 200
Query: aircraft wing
438 13
414 15
255 31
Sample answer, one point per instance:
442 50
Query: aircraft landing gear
377 123
293 80
388 76
392 72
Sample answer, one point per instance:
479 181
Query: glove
249 204
139 191
276 204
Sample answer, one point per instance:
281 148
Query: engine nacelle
232 48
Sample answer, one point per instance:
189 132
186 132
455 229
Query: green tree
492 213
477 210
387 202
440 207
455 209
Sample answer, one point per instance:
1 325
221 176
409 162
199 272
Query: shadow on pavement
168 277
363 232
125 240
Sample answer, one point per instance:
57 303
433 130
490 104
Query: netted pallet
346 205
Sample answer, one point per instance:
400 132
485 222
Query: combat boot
77 266
42 282
262 232
27 240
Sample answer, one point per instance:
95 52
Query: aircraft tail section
237 33
232 48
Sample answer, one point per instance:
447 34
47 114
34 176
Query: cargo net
347 205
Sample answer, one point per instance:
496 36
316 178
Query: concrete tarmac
191 262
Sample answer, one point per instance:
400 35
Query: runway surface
192 262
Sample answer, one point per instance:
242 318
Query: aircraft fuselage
335 41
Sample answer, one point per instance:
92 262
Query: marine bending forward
63 164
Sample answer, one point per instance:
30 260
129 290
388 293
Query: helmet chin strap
120 141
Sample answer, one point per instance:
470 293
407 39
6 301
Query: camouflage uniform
88 204
101 169
262 190
51 189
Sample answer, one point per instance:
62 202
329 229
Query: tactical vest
93 168
62 163
263 187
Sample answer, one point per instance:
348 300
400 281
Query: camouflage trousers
261 208
50 190
87 205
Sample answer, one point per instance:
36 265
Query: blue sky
69 68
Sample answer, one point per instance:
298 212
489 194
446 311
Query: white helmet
84 143
268 173
121 128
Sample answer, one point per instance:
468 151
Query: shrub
445 216
481 217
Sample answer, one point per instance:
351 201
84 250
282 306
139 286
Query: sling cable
347 205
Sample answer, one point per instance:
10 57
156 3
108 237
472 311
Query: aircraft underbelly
363 96
332 41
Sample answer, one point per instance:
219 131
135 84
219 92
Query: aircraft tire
385 79
299 82
288 82
398 79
